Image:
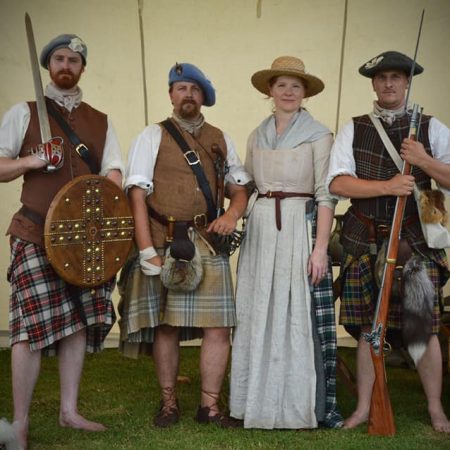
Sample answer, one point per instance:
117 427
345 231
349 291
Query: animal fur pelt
418 299
432 207
7 436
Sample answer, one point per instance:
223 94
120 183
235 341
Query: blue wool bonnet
192 74
70 41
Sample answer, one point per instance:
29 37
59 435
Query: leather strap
198 221
32 215
80 148
280 195
195 164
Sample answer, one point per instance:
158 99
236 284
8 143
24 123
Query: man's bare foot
354 420
21 432
439 421
75 420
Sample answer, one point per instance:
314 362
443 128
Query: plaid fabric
41 310
358 297
323 302
210 305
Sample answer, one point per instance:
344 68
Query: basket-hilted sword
51 149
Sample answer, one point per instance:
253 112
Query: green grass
123 394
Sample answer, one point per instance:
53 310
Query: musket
381 418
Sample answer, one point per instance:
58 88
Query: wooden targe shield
88 231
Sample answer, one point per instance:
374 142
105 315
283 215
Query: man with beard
44 317
163 189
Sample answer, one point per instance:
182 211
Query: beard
189 109
65 79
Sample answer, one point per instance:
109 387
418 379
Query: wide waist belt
280 195
375 230
198 221
32 215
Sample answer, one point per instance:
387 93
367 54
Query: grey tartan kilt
210 305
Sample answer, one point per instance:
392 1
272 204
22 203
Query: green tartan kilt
358 296
210 305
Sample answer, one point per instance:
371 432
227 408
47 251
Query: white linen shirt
342 161
15 124
144 152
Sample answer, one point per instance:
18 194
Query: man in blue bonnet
362 169
165 192
44 316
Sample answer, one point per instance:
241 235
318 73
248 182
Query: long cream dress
273 377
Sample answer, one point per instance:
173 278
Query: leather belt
280 195
374 230
32 215
198 221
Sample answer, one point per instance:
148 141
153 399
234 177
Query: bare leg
25 366
430 372
71 357
365 377
213 363
166 354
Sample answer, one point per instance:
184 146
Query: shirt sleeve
342 161
12 130
237 173
439 136
321 152
142 159
112 157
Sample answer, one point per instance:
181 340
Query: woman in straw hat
284 348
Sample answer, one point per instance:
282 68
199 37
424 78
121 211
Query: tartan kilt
210 305
41 310
358 296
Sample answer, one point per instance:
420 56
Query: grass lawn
123 394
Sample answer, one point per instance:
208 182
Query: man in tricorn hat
166 194
362 169
44 316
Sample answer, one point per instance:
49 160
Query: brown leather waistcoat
39 188
176 192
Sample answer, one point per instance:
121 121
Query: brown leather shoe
167 416
218 419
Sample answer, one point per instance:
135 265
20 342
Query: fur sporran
182 269
404 253
182 275
417 313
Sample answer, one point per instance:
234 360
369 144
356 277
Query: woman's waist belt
280 195
198 221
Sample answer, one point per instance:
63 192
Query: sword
51 149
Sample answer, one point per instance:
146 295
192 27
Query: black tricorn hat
390 60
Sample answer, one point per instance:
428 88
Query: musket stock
381 418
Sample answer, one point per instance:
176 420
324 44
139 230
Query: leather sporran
404 254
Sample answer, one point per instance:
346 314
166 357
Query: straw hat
290 66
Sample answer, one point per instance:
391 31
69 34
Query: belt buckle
383 229
81 149
189 161
269 194
200 220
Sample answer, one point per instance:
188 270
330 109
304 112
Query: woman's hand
318 265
